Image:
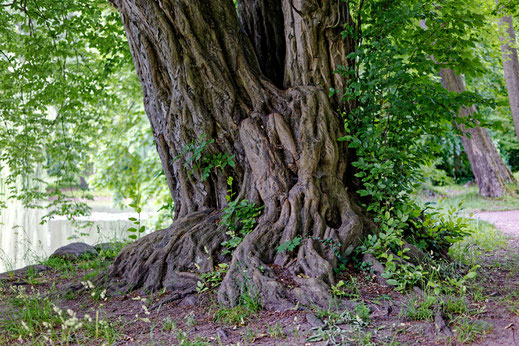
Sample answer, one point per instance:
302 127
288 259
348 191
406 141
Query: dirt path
506 330
506 221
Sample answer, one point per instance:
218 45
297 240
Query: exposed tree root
169 258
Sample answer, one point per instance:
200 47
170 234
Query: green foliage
239 217
434 176
55 63
439 228
202 161
395 98
125 160
71 107
290 245
137 228
395 111
212 279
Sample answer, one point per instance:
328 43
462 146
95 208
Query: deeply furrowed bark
201 74
492 174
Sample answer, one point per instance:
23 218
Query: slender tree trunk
510 65
258 89
492 174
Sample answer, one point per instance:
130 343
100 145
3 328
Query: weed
168 324
212 279
420 309
362 312
276 331
249 335
483 238
239 217
248 305
138 229
36 318
468 331
347 289
203 162
190 319
331 333
289 245
183 339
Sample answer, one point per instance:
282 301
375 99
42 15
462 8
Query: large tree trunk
510 66
260 91
492 174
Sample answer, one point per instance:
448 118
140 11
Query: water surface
24 240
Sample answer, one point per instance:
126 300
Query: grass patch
467 331
453 195
248 305
484 238
36 319
332 333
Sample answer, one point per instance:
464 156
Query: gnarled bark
492 174
202 74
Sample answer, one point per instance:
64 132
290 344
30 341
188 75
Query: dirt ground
191 320
508 223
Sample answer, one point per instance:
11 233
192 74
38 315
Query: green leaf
392 282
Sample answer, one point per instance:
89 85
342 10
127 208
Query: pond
24 241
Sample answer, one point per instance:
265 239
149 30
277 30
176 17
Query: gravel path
506 221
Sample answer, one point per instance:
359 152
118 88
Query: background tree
491 173
510 64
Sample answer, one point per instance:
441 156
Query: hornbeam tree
244 106
256 89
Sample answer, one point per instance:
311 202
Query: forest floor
56 303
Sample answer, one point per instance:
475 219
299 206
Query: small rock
222 333
441 326
347 305
314 320
378 268
418 291
74 251
189 300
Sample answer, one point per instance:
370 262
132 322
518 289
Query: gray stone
314 321
441 326
418 291
377 267
74 251
222 333
189 300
